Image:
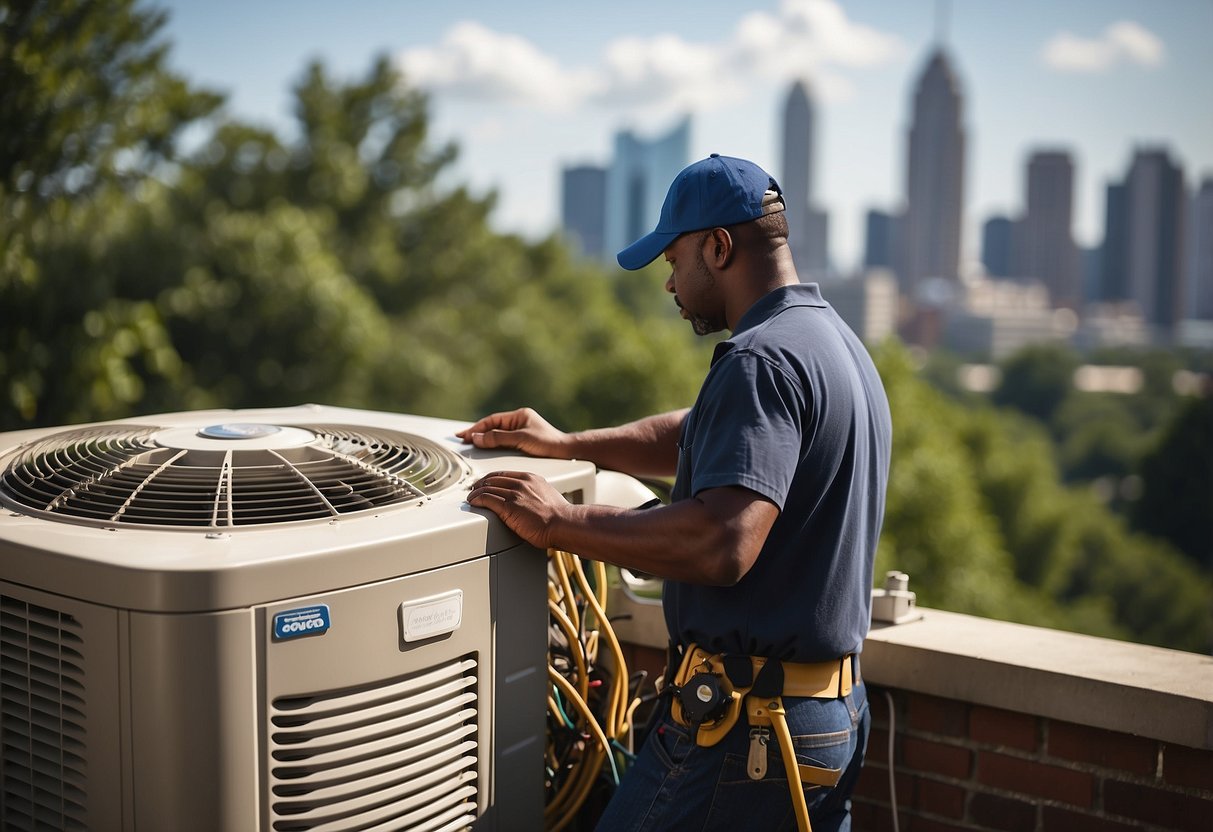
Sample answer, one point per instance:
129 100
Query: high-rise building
1048 251
1200 253
1114 254
880 246
637 180
997 246
808 225
583 208
935 162
1155 256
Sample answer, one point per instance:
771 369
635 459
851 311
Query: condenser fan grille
135 475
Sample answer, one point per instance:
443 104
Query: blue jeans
677 785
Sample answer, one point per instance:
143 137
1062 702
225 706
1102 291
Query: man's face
692 284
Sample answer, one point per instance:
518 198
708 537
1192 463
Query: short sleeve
748 427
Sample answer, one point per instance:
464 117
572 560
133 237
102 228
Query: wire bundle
590 705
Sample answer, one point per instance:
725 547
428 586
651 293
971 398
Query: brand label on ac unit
305 621
433 616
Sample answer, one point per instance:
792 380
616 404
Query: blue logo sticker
305 621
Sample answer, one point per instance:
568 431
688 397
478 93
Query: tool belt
709 691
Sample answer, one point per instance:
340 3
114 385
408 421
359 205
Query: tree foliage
981 520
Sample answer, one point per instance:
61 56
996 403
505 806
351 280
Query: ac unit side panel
521 687
194 721
60 713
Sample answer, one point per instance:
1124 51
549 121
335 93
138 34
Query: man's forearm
645 448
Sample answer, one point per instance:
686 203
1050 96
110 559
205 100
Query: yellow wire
567 576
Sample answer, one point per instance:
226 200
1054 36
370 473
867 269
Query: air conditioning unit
284 619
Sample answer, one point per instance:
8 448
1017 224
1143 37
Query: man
767 545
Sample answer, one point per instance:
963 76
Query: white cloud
477 63
1121 42
802 38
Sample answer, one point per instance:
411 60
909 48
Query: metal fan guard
121 476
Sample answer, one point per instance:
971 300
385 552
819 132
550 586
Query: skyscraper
1155 255
997 246
583 207
880 246
1048 250
637 180
1114 256
1200 257
935 160
808 226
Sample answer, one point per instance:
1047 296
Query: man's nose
669 283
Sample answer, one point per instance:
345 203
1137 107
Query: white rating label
433 616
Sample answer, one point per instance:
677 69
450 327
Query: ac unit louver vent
396 756
218 478
42 782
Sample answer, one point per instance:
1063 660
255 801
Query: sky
527 88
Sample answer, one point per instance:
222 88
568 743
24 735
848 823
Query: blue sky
525 88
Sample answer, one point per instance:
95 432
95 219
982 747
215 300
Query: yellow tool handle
779 722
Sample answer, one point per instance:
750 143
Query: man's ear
719 246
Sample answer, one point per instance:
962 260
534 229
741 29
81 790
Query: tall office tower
880 247
1200 256
1156 218
1114 254
997 246
583 207
1048 251
637 180
935 160
808 226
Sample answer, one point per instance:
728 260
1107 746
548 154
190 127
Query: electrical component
894 604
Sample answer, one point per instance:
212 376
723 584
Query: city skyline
529 90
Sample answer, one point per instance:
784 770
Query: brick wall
960 766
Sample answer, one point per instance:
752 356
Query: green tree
978 516
1177 479
1036 380
88 111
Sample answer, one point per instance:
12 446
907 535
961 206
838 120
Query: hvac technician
768 543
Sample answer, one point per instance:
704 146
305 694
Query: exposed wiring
892 785
592 700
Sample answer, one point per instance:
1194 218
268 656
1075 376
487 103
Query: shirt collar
776 301
767 307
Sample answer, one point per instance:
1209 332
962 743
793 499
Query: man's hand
523 429
525 502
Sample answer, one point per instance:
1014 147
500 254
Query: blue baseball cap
715 192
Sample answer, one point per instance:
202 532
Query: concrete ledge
1151 692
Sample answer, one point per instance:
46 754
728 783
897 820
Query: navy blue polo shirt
793 409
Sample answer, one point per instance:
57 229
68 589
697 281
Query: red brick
869 816
879 706
937 716
1063 820
1005 728
931 757
995 812
921 824
873 784
1108 749
878 747
939 798
1146 804
1030 777
1183 766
